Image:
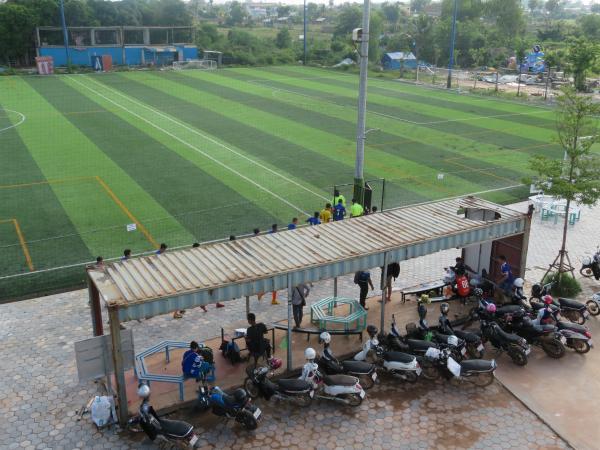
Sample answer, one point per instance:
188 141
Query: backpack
207 354
231 352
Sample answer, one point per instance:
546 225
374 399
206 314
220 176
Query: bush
569 286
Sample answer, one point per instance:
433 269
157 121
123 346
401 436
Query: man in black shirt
257 344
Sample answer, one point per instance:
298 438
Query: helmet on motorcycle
143 391
452 340
518 283
325 337
491 308
240 395
548 300
424 298
372 330
586 261
310 353
274 363
478 292
444 308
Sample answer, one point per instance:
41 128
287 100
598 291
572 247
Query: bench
424 288
322 313
309 331
142 374
243 336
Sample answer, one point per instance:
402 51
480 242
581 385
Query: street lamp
452 41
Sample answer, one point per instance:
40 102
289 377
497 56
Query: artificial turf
195 156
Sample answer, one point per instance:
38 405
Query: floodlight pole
452 41
64 30
304 32
359 181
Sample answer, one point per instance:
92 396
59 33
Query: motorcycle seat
467 336
357 366
417 344
509 337
340 380
175 428
571 326
398 357
568 303
230 401
548 328
478 365
293 385
508 309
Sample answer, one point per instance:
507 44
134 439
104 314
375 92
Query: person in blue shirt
294 224
191 363
162 249
314 220
339 212
126 255
507 278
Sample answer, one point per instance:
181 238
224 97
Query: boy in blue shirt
192 361
314 220
339 212
294 224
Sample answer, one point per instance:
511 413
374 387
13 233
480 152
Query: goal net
204 64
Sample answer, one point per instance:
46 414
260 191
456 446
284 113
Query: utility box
357 34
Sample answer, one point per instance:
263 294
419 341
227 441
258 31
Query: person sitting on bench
191 363
258 346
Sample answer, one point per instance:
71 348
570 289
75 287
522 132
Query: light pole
64 30
304 32
452 41
359 181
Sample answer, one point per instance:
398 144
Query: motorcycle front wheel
248 420
586 272
554 349
593 307
251 388
353 400
483 379
518 356
580 346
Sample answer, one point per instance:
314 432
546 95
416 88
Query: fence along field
94 164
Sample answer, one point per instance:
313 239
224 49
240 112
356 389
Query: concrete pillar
289 324
95 308
117 353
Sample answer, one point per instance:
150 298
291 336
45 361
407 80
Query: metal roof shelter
160 284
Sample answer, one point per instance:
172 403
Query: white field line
210 139
15 124
193 147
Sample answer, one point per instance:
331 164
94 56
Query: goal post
202 64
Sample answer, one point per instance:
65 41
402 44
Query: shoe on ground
220 305
275 302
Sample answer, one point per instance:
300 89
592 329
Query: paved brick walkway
39 391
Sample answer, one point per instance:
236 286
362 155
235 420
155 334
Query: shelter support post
289 324
383 289
525 246
117 352
95 309
335 287
248 306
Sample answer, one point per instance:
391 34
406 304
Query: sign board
131 227
45 65
94 356
107 63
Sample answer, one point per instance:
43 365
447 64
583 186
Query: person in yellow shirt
356 210
337 197
326 214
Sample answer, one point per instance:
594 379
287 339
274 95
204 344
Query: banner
45 65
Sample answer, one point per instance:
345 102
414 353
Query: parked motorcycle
515 346
341 388
365 372
593 305
176 433
472 341
257 384
477 371
591 265
236 406
545 336
571 309
579 342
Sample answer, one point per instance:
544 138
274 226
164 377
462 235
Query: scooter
257 384
516 347
480 372
175 433
593 304
236 406
340 388
591 265
364 371
573 310
468 342
545 336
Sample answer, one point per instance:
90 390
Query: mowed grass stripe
538 117
65 154
318 131
320 141
434 156
499 134
180 186
35 207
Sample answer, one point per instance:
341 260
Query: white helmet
518 283
453 341
143 391
325 337
310 353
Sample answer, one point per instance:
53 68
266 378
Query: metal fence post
117 353
289 324
384 286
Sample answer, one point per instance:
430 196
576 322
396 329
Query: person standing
356 210
299 295
256 343
393 272
339 211
326 213
337 197
363 279
314 220
507 278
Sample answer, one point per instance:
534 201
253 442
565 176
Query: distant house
320 20
397 60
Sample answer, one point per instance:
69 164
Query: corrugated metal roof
226 270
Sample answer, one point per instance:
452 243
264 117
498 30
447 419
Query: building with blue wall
396 60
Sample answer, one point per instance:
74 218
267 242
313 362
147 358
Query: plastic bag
101 411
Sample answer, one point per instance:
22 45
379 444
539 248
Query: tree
508 16
283 10
283 39
533 6
418 6
391 12
590 26
237 14
349 18
581 57
16 29
595 8
577 176
554 7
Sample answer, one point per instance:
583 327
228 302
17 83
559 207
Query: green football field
93 164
